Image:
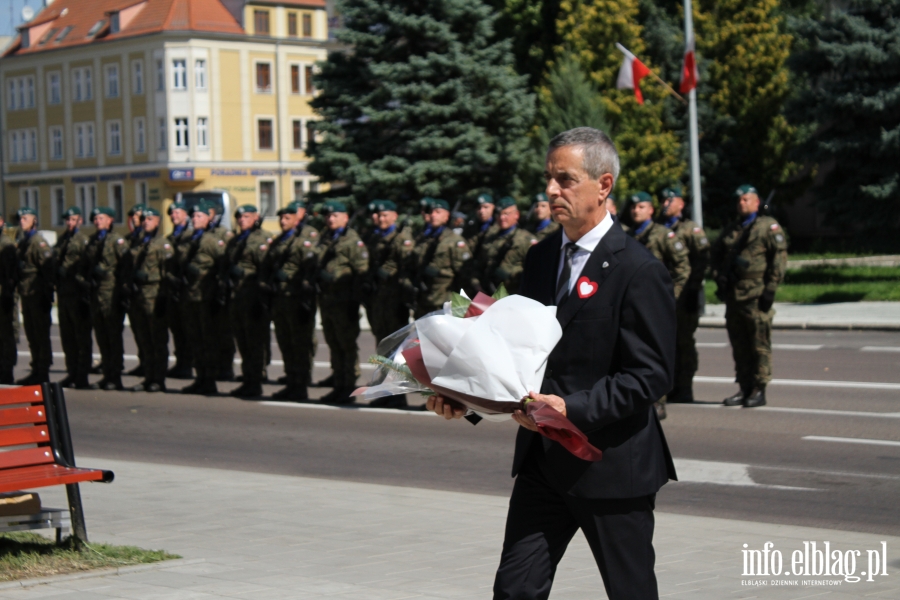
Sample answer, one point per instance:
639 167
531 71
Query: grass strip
25 555
824 284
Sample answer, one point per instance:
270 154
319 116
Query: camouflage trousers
75 334
36 322
750 334
340 324
203 335
250 324
387 312
175 320
295 331
686 358
151 334
108 321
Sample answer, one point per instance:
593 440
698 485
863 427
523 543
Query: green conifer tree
531 24
852 105
425 102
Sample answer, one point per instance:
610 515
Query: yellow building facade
126 119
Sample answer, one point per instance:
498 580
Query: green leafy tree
851 61
425 103
650 152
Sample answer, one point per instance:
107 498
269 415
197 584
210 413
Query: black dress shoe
398 401
756 398
736 400
138 388
113 385
138 371
327 382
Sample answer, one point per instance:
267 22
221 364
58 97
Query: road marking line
813 411
829 473
388 411
722 473
860 385
842 440
237 361
712 344
880 349
797 346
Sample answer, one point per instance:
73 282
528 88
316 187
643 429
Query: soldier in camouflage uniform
226 348
106 267
748 262
288 279
501 255
442 265
73 301
687 310
343 262
201 295
9 320
148 302
36 280
544 225
133 240
389 251
244 255
665 246
482 225
179 240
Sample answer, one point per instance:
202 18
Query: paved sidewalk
274 537
838 315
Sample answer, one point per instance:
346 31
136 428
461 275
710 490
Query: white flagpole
697 200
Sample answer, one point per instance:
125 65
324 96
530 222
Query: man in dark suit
615 359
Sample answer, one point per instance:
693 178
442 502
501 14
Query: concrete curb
157 566
890 260
811 325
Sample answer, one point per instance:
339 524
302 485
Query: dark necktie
562 285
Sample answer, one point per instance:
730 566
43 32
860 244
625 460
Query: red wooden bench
36 447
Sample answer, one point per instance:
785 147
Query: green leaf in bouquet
400 369
501 293
459 304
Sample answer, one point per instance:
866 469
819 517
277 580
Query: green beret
672 192
542 197
292 208
372 206
109 211
440 204
506 202
382 205
333 206
136 209
203 206
245 208
26 210
745 189
72 211
177 205
425 203
150 212
485 199
643 197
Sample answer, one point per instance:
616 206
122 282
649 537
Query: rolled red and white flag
689 74
631 73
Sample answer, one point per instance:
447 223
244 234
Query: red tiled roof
309 3
155 16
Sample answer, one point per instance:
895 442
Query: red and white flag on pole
631 73
689 75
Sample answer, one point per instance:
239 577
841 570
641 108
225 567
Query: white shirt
585 246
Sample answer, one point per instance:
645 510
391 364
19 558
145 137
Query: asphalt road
825 452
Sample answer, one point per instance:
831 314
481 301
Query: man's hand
553 401
444 407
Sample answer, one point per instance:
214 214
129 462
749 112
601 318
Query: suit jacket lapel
595 271
546 287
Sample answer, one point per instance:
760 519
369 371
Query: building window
307 25
160 75
298 190
263 78
137 77
117 200
112 81
268 202
140 192
82 84
292 24
140 136
11 94
179 74
14 146
21 93
56 143
114 137
84 140
298 134
54 89
181 133
202 132
163 134
86 197
57 203
264 127
295 79
28 198
310 133
308 76
29 83
261 22
23 145
200 74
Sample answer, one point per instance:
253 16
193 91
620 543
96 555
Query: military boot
327 382
339 396
180 372
193 388
113 384
247 390
33 379
67 382
225 374
735 400
756 398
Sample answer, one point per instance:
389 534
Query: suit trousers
542 521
